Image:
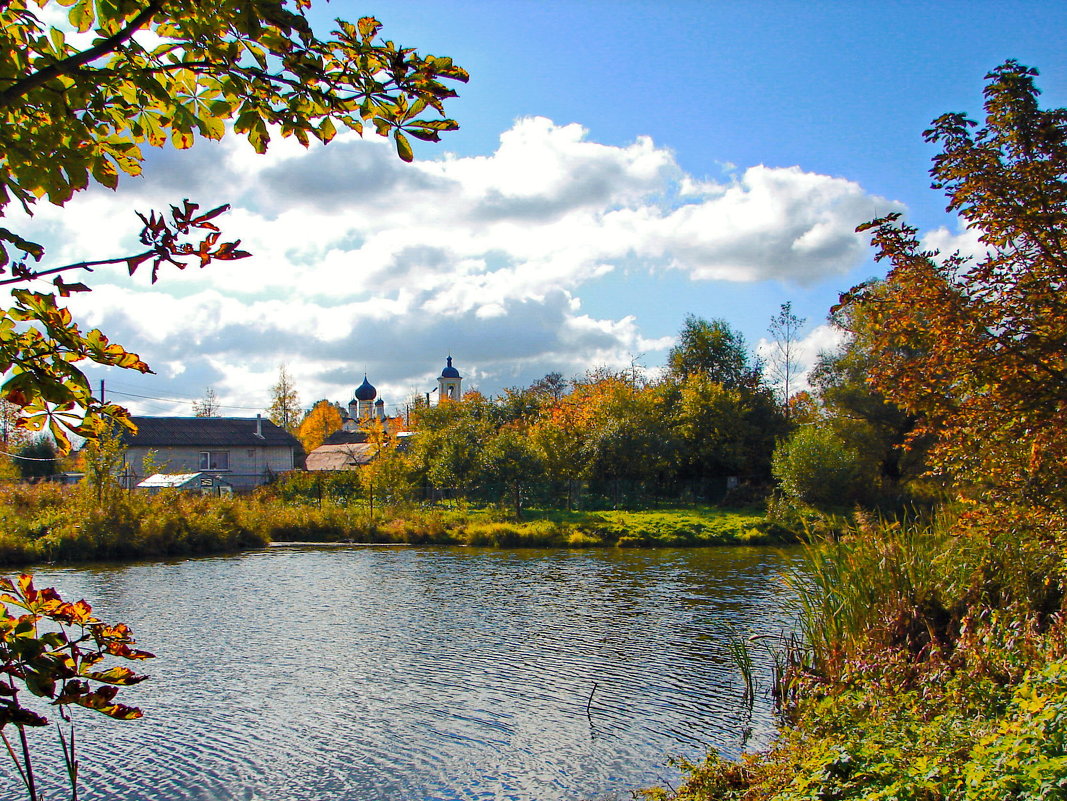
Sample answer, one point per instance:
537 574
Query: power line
31 458
181 400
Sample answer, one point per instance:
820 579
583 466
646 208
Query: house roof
228 432
340 457
164 480
342 437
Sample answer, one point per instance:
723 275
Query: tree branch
81 265
42 76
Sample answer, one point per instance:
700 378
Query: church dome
450 371
379 402
366 391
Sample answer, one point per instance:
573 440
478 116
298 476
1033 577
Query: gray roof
162 432
340 457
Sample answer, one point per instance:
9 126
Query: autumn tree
976 348
207 406
284 409
72 114
322 419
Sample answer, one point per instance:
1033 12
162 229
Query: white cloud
965 240
363 261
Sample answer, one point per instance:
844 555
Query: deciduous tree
321 420
284 407
713 349
75 111
977 348
207 406
784 364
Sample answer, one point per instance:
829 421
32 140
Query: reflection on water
400 673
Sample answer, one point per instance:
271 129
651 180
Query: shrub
816 467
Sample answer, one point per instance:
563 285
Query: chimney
259 425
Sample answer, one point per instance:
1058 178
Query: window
214 460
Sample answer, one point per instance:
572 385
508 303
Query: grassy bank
492 527
52 523
934 666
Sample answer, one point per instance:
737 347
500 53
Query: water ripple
400 674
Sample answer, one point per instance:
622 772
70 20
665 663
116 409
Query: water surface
408 673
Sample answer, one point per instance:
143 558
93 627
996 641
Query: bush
817 468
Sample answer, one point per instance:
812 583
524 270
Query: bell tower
448 385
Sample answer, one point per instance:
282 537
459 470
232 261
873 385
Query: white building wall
248 467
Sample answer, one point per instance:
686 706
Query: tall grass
932 664
913 586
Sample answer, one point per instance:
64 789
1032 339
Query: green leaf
81 16
403 147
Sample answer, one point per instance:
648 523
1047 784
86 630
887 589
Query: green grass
494 527
65 524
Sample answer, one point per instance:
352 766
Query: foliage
284 409
814 466
102 459
713 349
322 419
867 420
976 349
37 458
387 479
72 114
512 462
59 661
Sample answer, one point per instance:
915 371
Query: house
244 452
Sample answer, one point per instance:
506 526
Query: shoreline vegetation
53 523
931 663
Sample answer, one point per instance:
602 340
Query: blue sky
619 165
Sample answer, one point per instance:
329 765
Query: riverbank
52 523
933 666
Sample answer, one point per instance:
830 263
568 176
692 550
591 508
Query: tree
37 458
864 418
713 349
451 437
553 385
208 406
321 420
784 365
284 407
510 460
977 348
71 115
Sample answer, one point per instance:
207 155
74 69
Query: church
348 448
366 405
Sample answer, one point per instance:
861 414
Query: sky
619 166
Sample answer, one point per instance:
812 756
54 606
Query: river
359 673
